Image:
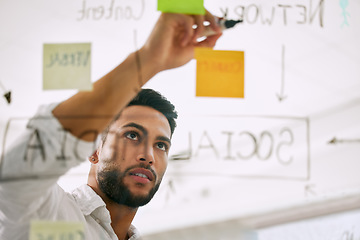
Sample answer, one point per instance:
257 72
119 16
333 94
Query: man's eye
162 146
132 136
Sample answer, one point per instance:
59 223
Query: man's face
134 156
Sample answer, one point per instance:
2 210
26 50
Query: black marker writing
78 235
75 59
115 10
34 144
210 144
62 151
262 147
285 15
289 143
281 96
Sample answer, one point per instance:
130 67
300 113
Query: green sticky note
67 66
182 6
40 230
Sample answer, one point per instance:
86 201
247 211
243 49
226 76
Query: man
128 166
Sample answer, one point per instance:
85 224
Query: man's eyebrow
145 132
165 139
135 125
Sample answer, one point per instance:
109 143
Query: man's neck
121 215
121 218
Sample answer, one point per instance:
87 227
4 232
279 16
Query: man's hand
173 39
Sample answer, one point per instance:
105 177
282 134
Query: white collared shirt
29 191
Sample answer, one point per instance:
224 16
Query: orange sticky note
219 73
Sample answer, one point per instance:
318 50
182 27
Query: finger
209 41
188 31
213 22
199 21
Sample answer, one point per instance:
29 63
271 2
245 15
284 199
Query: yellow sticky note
67 66
40 230
219 73
182 6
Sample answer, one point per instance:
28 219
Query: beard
111 183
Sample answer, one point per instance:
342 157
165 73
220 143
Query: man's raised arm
171 44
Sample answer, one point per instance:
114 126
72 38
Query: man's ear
94 158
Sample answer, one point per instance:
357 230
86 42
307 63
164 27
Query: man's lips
142 173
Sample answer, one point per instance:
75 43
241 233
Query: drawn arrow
184 155
281 96
309 190
170 191
335 141
7 94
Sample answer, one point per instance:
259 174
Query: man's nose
146 154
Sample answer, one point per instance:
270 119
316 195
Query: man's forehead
142 115
140 112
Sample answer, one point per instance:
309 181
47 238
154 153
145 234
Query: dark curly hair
153 99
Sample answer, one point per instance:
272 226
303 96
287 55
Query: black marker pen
223 24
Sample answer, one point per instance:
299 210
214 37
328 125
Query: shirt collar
133 233
90 202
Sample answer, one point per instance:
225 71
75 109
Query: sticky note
219 73
67 66
40 230
182 6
